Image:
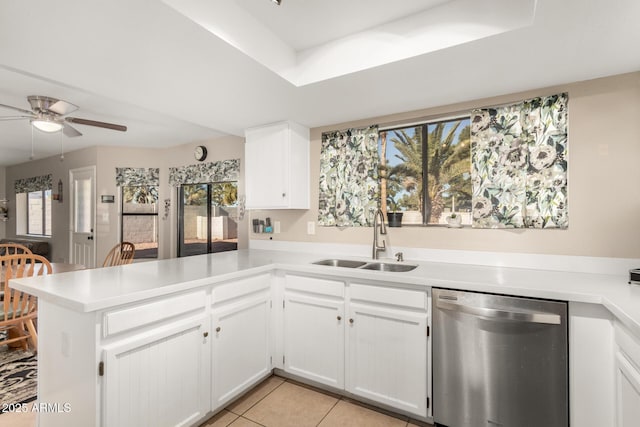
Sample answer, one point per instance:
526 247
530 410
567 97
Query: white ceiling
174 79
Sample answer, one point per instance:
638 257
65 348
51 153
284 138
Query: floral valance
519 164
349 186
36 183
137 177
221 171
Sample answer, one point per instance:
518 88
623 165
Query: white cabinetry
627 368
277 166
159 378
156 362
314 329
387 346
241 336
378 351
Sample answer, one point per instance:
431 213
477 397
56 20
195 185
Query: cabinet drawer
629 344
316 286
115 322
232 290
391 296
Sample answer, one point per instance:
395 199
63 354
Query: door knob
206 334
351 321
218 329
339 317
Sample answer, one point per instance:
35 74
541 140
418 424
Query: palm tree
448 166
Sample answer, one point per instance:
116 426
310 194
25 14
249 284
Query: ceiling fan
50 115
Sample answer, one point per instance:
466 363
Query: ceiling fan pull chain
31 158
61 146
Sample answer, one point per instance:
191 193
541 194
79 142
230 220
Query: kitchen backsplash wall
604 195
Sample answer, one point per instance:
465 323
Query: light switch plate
311 227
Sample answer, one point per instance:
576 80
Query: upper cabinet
277 166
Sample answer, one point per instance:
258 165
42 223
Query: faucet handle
399 256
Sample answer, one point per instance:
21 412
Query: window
33 213
427 188
207 218
140 219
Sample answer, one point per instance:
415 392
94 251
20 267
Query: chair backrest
13 249
120 254
18 304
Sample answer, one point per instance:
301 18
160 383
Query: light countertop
102 288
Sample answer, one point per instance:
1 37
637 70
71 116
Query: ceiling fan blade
70 131
63 107
96 124
30 113
7 118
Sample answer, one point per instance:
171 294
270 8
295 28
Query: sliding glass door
206 220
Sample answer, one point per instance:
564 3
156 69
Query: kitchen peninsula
164 338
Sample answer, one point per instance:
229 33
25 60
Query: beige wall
108 214
604 181
106 160
59 169
3 195
223 148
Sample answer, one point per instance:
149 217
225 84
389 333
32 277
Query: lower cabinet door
627 393
314 338
387 356
241 352
158 379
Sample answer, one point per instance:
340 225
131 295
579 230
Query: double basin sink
376 266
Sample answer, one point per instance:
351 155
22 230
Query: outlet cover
311 227
276 227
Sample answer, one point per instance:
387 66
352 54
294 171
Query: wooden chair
20 309
120 254
13 249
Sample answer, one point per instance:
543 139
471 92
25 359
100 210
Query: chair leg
32 334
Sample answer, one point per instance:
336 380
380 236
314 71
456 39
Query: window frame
27 213
137 214
424 135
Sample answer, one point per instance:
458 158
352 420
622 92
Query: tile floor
277 402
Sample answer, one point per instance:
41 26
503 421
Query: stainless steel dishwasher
499 361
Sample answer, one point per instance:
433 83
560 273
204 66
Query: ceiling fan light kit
48 114
48 126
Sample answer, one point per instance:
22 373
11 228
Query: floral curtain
349 186
36 183
222 171
137 176
519 164
147 181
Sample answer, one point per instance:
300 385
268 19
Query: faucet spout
378 223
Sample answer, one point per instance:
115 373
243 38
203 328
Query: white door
314 338
241 352
627 393
82 195
387 356
160 379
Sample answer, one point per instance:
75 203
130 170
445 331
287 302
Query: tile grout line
258 401
329 411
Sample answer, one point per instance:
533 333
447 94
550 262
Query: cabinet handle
351 321
206 334
218 329
339 317
284 194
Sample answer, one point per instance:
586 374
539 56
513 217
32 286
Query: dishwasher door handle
492 313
